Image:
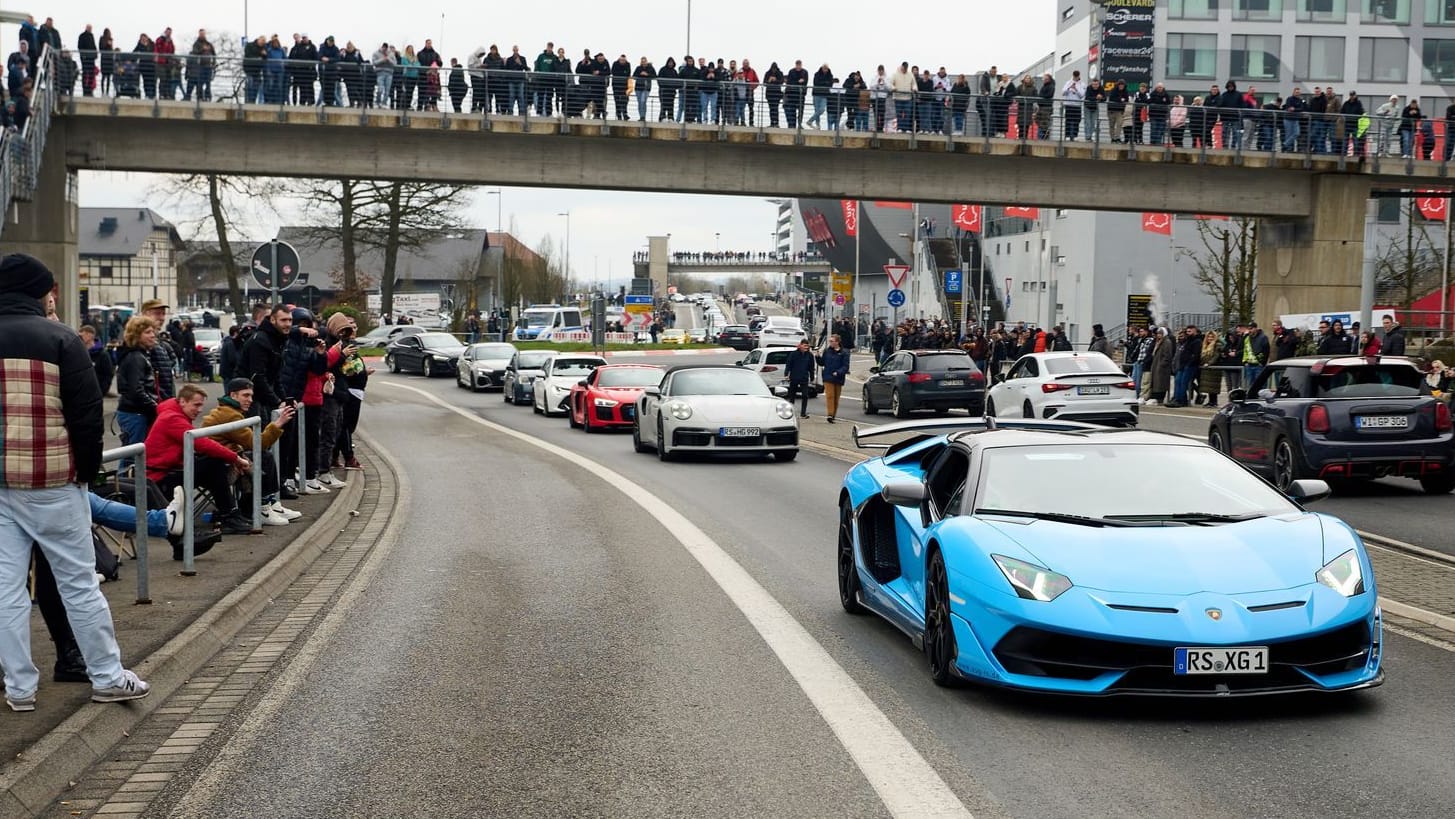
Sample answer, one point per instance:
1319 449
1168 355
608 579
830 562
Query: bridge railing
956 114
720 258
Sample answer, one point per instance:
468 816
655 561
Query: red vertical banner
1157 223
1024 213
851 216
966 217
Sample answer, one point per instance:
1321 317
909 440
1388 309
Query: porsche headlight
784 410
681 410
605 402
1030 581
1343 574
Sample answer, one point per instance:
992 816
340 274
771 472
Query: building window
1440 12
1322 11
1257 9
1192 55
105 271
1385 11
1383 59
1254 57
1439 58
1389 210
1068 12
1318 59
1193 9
1065 58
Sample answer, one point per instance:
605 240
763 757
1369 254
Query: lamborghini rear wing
943 426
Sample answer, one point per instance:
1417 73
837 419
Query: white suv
781 330
769 363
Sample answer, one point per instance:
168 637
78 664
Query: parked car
607 398
708 408
1069 386
1160 568
673 336
428 353
524 367
483 365
939 380
550 391
1339 419
209 343
738 337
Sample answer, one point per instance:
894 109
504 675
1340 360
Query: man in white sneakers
50 430
235 406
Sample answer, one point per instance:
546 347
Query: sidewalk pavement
189 619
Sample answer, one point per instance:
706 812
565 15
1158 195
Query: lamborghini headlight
1030 581
1343 574
681 410
605 402
784 410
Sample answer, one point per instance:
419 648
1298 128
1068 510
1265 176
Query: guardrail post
189 480
257 475
302 449
139 498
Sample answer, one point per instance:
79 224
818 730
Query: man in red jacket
214 462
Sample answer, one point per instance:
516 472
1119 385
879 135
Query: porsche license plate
1382 421
1239 660
1101 390
739 432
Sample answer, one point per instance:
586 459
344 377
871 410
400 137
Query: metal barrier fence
189 480
139 500
953 116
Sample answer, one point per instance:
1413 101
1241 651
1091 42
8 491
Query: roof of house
120 231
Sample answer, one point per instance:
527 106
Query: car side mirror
742 363
1267 395
779 390
652 391
873 369
1308 490
581 383
910 494
1238 396
998 378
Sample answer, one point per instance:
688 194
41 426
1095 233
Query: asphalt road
539 645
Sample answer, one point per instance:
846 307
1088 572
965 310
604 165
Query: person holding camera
342 348
301 379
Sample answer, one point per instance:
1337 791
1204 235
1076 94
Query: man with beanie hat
50 431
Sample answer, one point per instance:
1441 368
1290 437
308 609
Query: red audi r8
607 398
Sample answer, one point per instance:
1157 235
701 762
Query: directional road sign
895 298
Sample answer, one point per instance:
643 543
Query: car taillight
1318 419
1126 385
977 376
771 368
201 349
1050 388
917 378
1442 417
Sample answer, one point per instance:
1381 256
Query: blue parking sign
952 282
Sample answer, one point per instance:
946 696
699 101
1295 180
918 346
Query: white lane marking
908 785
1415 635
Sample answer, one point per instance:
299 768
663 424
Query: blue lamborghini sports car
1063 558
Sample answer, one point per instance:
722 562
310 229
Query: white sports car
1085 387
709 408
550 392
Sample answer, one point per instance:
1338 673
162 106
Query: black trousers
799 390
212 474
48 599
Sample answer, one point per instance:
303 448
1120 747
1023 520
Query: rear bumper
974 400
1125 415
1379 460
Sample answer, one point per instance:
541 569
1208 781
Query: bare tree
1411 265
1227 266
218 205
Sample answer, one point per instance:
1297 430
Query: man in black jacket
164 361
1393 338
1185 362
799 369
51 404
621 72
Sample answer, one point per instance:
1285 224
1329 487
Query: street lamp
567 214
499 207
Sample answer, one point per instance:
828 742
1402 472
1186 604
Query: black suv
738 337
1340 419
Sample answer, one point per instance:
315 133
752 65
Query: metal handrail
571 99
189 479
139 500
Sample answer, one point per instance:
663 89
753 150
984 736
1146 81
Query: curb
1419 615
839 453
46 769
1409 549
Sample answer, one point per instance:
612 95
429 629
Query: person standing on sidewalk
798 369
835 362
51 404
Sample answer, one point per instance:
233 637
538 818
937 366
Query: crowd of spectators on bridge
299 71
735 257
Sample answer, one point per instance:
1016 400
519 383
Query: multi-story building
128 255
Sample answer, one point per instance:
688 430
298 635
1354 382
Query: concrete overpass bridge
1314 205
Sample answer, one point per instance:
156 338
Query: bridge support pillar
47 227
657 258
1313 265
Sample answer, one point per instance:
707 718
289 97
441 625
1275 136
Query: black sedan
427 353
1339 419
939 380
738 337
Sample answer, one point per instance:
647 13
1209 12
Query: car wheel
869 408
507 394
1439 484
939 638
427 368
571 418
1215 439
662 453
392 363
990 407
1285 472
534 407
786 455
637 437
897 407
459 382
1028 411
848 572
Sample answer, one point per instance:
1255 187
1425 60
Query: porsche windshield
1119 480
719 381
629 377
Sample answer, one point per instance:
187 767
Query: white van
541 322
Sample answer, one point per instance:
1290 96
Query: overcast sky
607 227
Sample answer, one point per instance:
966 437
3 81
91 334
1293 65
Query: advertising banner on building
1139 311
1127 46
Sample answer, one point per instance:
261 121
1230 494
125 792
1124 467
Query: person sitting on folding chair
213 461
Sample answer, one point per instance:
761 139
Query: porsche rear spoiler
942 426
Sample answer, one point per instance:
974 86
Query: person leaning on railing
213 462
236 405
